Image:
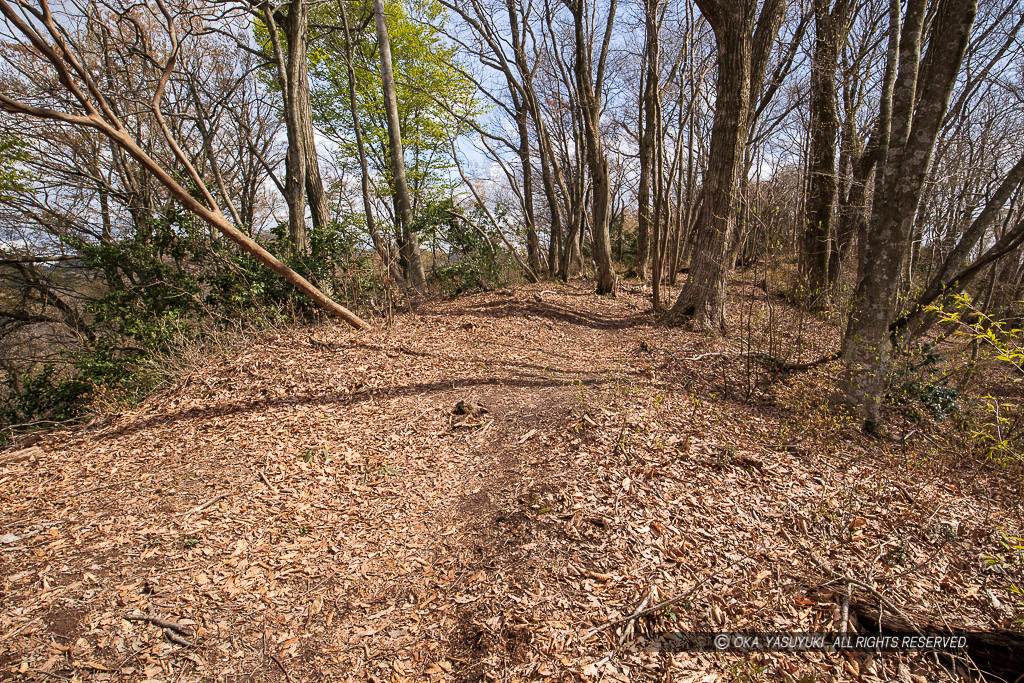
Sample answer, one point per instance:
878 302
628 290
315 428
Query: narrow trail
314 507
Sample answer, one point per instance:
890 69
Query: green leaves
12 177
997 436
434 95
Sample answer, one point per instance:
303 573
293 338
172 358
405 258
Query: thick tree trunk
295 158
297 31
702 300
526 162
831 28
643 193
607 280
656 152
742 55
920 97
410 245
555 237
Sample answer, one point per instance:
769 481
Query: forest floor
312 507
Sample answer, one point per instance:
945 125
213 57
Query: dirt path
310 508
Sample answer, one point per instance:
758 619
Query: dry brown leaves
311 509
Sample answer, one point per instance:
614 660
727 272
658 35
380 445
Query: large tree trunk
607 280
547 176
655 152
643 193
525 160
742 55
920 98
702 300
831 28
295 158
410 245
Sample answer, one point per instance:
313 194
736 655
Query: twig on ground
263 478
661 605
176 639
863 586
203 506
157 621
283 670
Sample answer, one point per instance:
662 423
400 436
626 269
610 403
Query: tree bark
742 54
831 27
590 88
295 158
643 194
381 245
921 96
743 47
297 32
410 245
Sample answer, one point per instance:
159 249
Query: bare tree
832 25
921 94
83 102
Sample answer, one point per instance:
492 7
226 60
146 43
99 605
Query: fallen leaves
310 507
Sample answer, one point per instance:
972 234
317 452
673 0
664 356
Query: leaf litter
485 491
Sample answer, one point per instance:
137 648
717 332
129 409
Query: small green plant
1000 435
192 542
1010 559
746 671
375 472
312 453
920 385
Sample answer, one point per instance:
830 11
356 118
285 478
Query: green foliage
169 286
11 176
43 395
1000 435
434 96
474 262
1009 560
920 385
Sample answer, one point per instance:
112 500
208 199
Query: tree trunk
381 245
297 31
831 28
702 300
525 160
643 193
410 245
590 87
742 55
295 158
920 97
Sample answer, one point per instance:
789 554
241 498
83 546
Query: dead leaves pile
470 495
